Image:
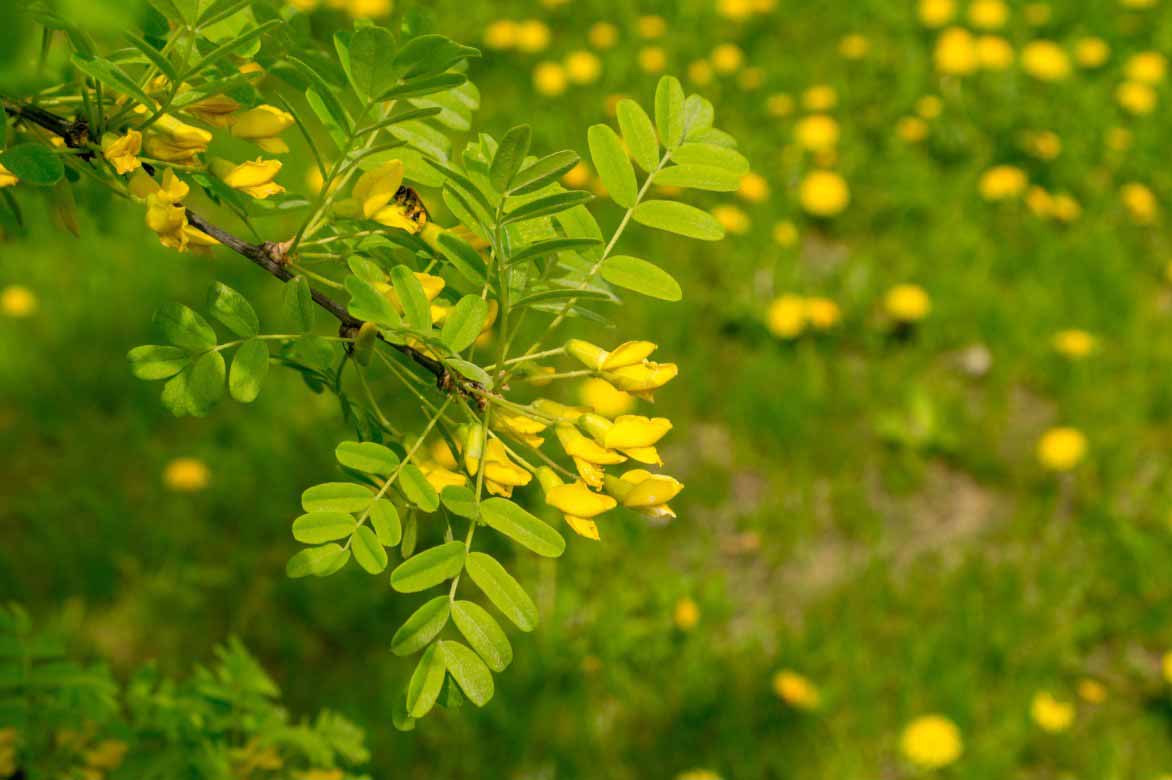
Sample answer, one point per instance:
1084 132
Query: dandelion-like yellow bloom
853 46
753 188
602 35
550 78
18 301
1051 714
1140 203
368 9
988 14
994 52
1092 691
824 193
700 72
651 26
686 614
737 10
186 475
820 97
122 151
931 742
786 318
732 219
929 106
822 313
1137 98
936 13
956 52
583 67
1045 145
911 129
262 125
785 234
532 36
1002 182
255 178
1148 67
1045 61
727 58
1061 449
602 397
780 104
907 303
796 690
816 132
652 59
1091 52
1074 344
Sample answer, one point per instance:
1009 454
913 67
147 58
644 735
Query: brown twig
269 255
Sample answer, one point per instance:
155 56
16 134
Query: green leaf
678 218
410 535
336 497
157 58
369 554
550 204
184 328
367 456
319 527
152 361
543 172
429 568
460 500
318 561
514 522
430 54
33 163
367 270
367 304
631 273
421 627
463 257
553 246
509 157
206 384
502 590
423 85
669 111
613 165
233 311
371 68
298 304
468 671
699 177
483 633
416 307
708 154
400 718
250 365
426 682
470 370
224 49
639 134
464 322
384 518
698 115
112 76
417 489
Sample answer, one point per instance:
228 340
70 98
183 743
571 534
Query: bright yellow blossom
170 140
1061 449
252 178
602 35
1091 52
936 13
785 234
931 742
186 475
588 455
822 313
1002 182
549 78
956 52
122 151
727 58
820 97
816 132
796 690
646 493
215 110
994 52
988 14
17 301
700 72
651 26
1147 67
1140 203
7 178
1135 97
652 59
911 129
824 193
501 34
1092 691
753 188
1045 60
732 219
501 475
1074 344
603 398
853 46
576 501
262 125
786 318
907 303
780 104
686 614
1051 714
583 67
532 36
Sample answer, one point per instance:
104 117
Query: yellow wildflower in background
1061 449
686 614
753 188
785 234
549 78
1092 691
796 690
780 104
368 9
1135 97
929 106
651 26
1074 344
700 72
1002 182
652 59
936 13
1045 61
956 52
988 14
18 301
853 46
501 34
824 193
578 176
1140 203
532 36
1091 52
786 318
1148 67
911 129
732 219
602 35
816 132
907 303
822 313
583 67
727 58
820 97
122 151
994 52
1167 664
1050 713
186 475
931 742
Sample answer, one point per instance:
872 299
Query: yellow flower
602 35
549 78
501 34
822 313
377 187
907 303
532 36
988 14
626 366
1040 202
1091 52
520 426
824 193
750 79
252 178
583 67
368 9
1061 449
577 502
780 104
1045 144
994 52
589 457
956 52
753 188
737 10
816 132
820 97
1140 203
17 301
1148 67
1167 665
786 317
1002 182
165 215
796 690
929 106
652 59
686 614
1136 97
645 493
931 742
700 72
577 177
785 234
501 475
7 179
727 58
1074 344
1051 714
911 129
732 219
651 26
1118 139
170 140
1092 691
853 46
604 399
262 125
186 475
633 435
216 110
936 13
1045 61
123 152
440 477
